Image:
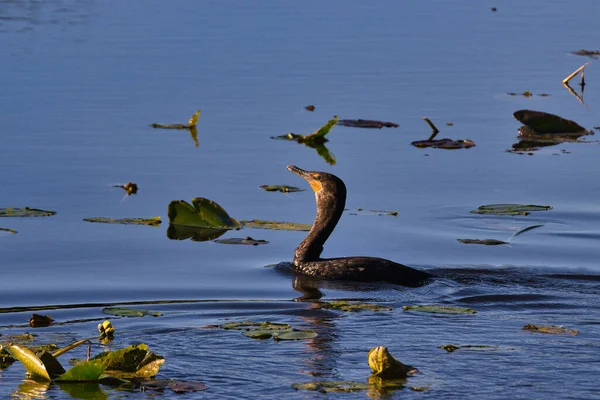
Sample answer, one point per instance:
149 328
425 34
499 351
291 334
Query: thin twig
578 70
432 125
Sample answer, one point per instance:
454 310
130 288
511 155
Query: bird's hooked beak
311 177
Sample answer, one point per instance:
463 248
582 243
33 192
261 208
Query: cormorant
330 193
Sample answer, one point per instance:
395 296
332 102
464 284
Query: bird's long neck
329 210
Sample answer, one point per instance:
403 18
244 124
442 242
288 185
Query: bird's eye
317 177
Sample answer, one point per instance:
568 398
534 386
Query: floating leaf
259 334
383 364
32 363
191 123
8 230
255 325
180 232
281 188
25 212
202 213
131 362
367 123
129 312
313 139
552 329
509 209
89 371
175 386
439 309
333 386
545 123
487 242
37 320
446 143
347 306
247 241
283 226
155 221
294 334
453 347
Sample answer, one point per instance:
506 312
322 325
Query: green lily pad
546 123
25 212
275 225
294 334
202 213
281 188
155 221
180 232
453 347
259 334
439 309
8 230
245 325
131 362
129 312
487 242
509 209
347 306
333 386
89 371
32 363
247 241
551 329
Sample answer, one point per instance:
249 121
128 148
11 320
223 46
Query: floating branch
433 127
578 70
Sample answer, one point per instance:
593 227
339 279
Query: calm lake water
82 80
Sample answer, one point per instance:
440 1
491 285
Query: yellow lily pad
383 364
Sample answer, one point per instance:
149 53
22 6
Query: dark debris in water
367 123
247 241
487 242
25 212
543 123
588 53
527 93
281 188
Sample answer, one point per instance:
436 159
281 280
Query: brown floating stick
578 70
432 125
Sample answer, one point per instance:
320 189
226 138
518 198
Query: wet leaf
347 306
283 226
25 212
294 334
155 221
191 123
52 365
202 213
247 241
131 362
129 312
383 364
259 334
32 363
509 209
272 326
367 123
37 320
551 329
89 371
180 232
545 123
487 242
439 309
453 347
281 188
8 230
333 386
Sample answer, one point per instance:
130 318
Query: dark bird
330 193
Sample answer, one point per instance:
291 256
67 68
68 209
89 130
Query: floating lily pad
294 334
439 309
129 312
275 225
89 371
259 334
245 325
155 221
453 347
8 230
509 209
247 241
383 364
25 212
347 306
551 329
202 213
281 188
191 123
131 362
180 232
367 123
487 242
545 123
333 386
175 386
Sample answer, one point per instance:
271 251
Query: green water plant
267 330
129 312
25 212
